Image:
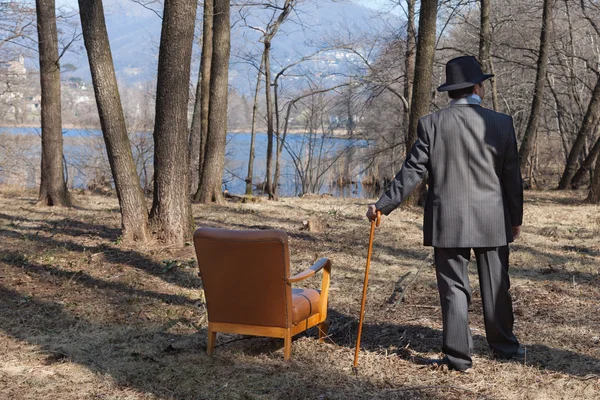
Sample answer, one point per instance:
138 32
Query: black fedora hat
462 72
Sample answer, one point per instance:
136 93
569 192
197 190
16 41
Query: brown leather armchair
248 288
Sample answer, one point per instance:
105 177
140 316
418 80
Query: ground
83 316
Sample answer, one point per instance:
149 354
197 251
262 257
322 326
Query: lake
309 163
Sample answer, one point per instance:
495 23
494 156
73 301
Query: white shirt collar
470 99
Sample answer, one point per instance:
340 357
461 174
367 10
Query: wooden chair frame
286 334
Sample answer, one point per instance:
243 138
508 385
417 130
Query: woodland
99 287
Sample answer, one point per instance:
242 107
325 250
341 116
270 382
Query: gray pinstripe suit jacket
475 189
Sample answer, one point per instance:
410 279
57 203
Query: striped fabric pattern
475 190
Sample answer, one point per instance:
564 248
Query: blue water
237 152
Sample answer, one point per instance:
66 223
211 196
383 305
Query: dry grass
85 317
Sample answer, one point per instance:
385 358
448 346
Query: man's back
475 189
474 181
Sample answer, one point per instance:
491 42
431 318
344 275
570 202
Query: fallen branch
403 290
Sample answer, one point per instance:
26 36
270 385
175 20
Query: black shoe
518 356
440 362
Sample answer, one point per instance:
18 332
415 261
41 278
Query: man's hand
372 213
516 232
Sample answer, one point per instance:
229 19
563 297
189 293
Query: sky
374 4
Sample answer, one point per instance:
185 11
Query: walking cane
365 284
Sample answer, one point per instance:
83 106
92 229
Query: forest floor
82 316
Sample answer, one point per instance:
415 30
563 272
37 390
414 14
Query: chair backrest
245 274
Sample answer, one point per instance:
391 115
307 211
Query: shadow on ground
151 359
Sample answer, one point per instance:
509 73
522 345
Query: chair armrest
307 273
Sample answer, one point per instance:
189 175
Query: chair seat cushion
305 303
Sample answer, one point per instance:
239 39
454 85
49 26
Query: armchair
248 288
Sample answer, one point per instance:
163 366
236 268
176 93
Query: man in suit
474 201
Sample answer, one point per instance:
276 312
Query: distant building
14 69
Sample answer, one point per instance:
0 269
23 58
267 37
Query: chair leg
212 336
323 329
287 345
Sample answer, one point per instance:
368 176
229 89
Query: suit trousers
455 296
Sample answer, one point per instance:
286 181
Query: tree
53 188
587 164
253 133
17 20
308 162
134 213
409 69
268 35
594 193
199 129
530 135
171 213
592 116
421 96
214 159
572 177
485 40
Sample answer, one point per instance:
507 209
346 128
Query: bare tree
590 120
250 173
594 193
171 213
530 135
214 160
53 189
310 180
421 96
572 176
134 212
409 68
587 165
199 129
268 34
485 41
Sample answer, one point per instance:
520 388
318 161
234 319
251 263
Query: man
474 201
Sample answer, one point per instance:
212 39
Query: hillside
134 34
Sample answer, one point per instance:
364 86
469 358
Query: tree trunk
270 32
214 160
540 79
195 133
587 164
485 40
561 119
421 96
134 213
171 214
269 103
409 67
278 149
590 120
253 133
205 65
594 194
53 189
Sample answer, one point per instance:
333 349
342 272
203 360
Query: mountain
134 34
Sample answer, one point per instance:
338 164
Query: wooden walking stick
365 284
